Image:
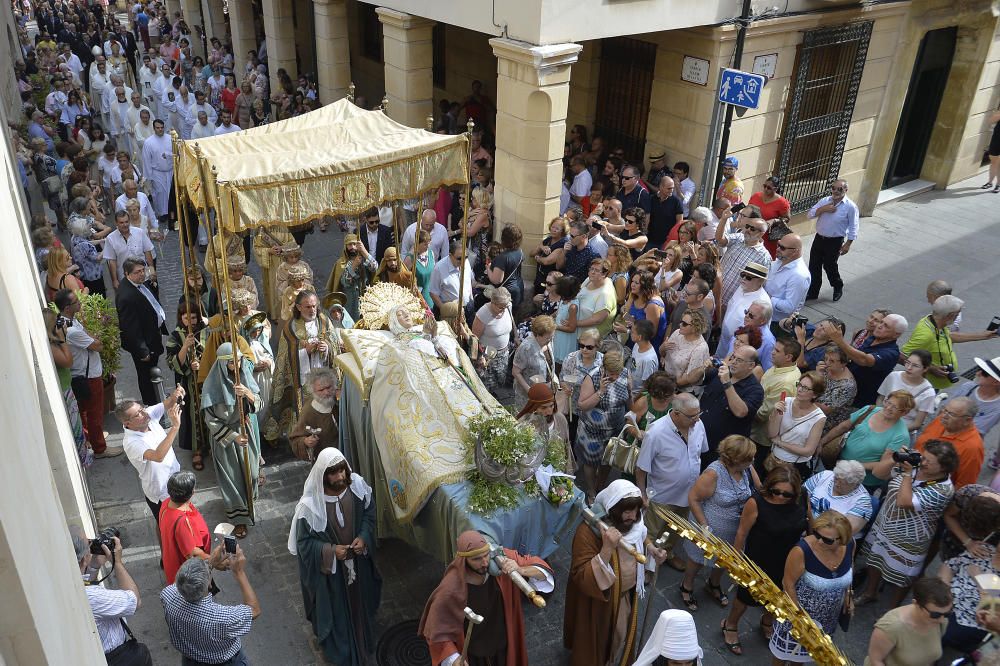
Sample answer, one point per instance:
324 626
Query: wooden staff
227 313
184 247
601 527
460 320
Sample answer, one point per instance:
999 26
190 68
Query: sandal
715 591
197 463
996 189
735 647
767 629
240 531
687 598
987 186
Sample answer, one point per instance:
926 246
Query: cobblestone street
951 235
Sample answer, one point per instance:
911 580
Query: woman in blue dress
818 575
644 302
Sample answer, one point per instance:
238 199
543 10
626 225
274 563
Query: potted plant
99 317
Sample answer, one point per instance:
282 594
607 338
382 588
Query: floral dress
605 420
821 595
722 510
838 396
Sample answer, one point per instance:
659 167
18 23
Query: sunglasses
937 615
838 189
781 493
769 187
580 345
685 323
784 247
753 228
827 540
747 277
550 284
628 177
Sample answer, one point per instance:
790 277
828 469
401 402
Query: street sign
741 88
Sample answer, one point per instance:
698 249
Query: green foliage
99 317
488 497
504 440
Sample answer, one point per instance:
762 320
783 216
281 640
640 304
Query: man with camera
88 386
203 631
934 334
111 607
149 448
954 424
730 400
788 281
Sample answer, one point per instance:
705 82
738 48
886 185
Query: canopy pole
465 235
227 313
216 275
350 92
185 246
416 236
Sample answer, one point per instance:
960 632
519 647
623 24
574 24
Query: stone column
280 33
333 52
173 6
215 22
532 98
305 38
192 15
409 58
243 35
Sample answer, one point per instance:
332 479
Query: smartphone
994 324
597 225
660 254
230 542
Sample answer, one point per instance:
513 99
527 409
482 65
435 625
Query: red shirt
778 207
968 445
228 98
180 533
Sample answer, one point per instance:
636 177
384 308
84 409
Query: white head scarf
615 492
312 506
394 326
675 636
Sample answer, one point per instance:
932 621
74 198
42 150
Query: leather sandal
687 598
716 592
197 463
735 647
240 531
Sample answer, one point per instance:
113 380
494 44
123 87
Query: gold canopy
338 159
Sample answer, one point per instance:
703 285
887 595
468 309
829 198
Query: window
825 88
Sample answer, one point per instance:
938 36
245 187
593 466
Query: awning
338 159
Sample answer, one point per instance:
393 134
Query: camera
716 363
994 324
105 538
62 322
906 456
660 254
950 373
799 320
597 225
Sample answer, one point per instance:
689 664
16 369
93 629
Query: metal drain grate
401 646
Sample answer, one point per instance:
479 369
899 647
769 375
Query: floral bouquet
99 317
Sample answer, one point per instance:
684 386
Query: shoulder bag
830 452
621 454
81 385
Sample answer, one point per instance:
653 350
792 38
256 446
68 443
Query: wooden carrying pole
227 312
185 246
460 321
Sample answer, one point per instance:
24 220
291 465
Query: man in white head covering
606 581
675 637
333 535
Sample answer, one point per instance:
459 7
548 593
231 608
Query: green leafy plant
99 317
488 497
504 440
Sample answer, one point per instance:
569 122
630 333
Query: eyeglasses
693 417
754 228
550 284
802 386
774 492
769 187
685 323
839 189
911 364
630 220
953 415
580 345
628 177
937 615
827 540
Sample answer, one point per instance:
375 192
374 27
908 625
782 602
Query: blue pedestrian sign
741 88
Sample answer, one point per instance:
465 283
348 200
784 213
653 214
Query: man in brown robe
468 582
316 428
605 581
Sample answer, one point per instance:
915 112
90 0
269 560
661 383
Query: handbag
846 610
129 653
81 385
830 452
621 454
52 186
778 229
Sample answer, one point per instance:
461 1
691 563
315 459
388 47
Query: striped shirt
737 256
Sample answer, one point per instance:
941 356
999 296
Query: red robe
443 622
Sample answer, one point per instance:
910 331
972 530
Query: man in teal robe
333 536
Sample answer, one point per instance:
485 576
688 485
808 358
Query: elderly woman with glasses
577 365
898 542
840 490
772 522
598 301
493 325
716 501
796 425
817 577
